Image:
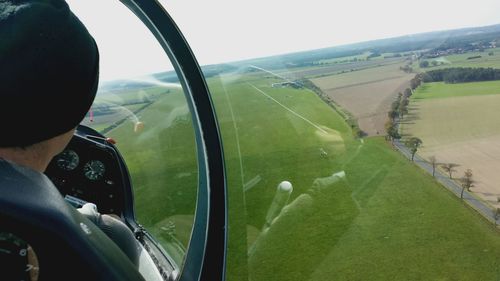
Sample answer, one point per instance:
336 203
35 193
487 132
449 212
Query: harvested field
338 68
366 94
463 130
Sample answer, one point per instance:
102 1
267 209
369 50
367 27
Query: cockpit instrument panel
89 170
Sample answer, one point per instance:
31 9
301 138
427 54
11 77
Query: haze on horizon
251 29
221 31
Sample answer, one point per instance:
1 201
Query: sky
230 30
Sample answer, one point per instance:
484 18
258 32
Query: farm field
338 68
161 160
462 129
330 225
367 94
443 90
338 228
119 105
462 60
362 56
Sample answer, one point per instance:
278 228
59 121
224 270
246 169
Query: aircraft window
361 138
141 106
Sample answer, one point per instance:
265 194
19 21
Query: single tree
393 114
394 134
392 131
405 101
413 144
424 64
496 215
449 168
434 163
402 109
407 93
467 182
415 82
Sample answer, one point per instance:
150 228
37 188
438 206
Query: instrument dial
94 170
67 160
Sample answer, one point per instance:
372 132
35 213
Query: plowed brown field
366 94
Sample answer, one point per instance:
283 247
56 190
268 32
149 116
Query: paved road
451 185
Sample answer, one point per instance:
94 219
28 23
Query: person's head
49 70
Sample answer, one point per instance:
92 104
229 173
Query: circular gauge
67 160
18 260
94 170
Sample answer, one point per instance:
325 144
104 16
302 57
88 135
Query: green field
354 230
462 60
163 165
387 220
443 90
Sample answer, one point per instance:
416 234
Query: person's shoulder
10 169
21 177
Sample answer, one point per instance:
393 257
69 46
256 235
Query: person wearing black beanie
49 73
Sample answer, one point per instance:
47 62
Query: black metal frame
206 256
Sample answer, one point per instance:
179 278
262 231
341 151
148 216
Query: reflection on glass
151 124
351 206
141 105
336 124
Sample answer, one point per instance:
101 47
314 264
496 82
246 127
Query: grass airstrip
386 220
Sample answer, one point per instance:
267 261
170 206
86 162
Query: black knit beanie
49 68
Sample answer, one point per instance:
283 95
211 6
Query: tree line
399 107
466 181
461 75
